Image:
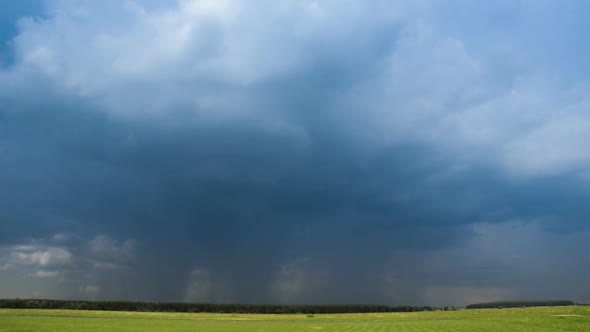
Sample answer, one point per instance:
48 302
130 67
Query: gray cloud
330 152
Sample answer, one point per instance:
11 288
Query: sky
387 152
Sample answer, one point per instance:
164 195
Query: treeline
202 307
517 304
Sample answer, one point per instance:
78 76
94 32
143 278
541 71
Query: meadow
573 318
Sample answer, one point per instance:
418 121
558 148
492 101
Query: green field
574 318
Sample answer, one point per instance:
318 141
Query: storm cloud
295 151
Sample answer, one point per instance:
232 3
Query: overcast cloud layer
396 152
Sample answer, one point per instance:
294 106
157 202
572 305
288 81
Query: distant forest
517 304
251 308
203 307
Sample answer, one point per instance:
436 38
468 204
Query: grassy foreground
575 318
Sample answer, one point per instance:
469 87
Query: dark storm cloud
231 198
241 202
349 154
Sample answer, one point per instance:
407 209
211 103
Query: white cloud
434 90
79 265
107 248
210 57
555 145
6 267
137 58
60 237
190 41
24 247
51 256
46 274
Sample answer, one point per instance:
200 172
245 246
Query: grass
530 319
